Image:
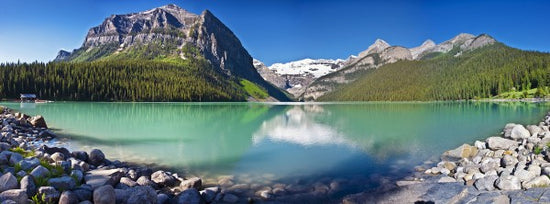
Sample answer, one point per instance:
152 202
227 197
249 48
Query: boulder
100 177
77 175
480 145
7 182
40 172
162 198
62 183
27 184
17 195
508 129
57 157
83 192
15 158
266 194
49 193
489 165
499 143
38 121
446 179
104 195
163 178
508 160
132 174
230 198
208 194
464 151
144 181
3 158
53 150
508 182
96 157
27 164
486 183
194 182
141 195
80 155
68 197
189 196
128 182
534 130
519 132
121 195
540 181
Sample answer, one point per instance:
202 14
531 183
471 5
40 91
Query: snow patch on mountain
315 67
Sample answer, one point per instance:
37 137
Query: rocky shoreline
34 173
511 168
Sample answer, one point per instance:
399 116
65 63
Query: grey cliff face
426 46
395 53
270 75
62 55
140 27
378 46
172 24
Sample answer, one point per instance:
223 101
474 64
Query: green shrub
23 152
537 150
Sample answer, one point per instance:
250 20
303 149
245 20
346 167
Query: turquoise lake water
269 142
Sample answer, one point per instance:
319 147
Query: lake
347 147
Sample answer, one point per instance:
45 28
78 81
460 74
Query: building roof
28 95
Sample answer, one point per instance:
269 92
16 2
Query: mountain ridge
373 58
485 72
171 32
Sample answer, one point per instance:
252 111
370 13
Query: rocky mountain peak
477 42
428 43
124 28
377 47
461 38
62 55
458 40
417 51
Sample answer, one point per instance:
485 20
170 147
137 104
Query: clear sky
285 30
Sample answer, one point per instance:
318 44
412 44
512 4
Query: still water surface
267 143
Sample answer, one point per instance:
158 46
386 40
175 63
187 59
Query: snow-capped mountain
296 75
316 67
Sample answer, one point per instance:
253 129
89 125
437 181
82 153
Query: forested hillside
130 80
162 54
482 73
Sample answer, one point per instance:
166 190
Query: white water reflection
297 126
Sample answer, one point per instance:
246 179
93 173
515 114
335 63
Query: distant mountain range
463 67
309 79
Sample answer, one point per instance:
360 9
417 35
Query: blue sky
285 30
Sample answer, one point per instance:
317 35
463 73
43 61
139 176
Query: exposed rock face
480 41
174 26
395 53
270 75
62 55
126 28
427 45
381 53
378 46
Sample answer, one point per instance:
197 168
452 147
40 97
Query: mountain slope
458 74
171 33
127 80
381 53
295 76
